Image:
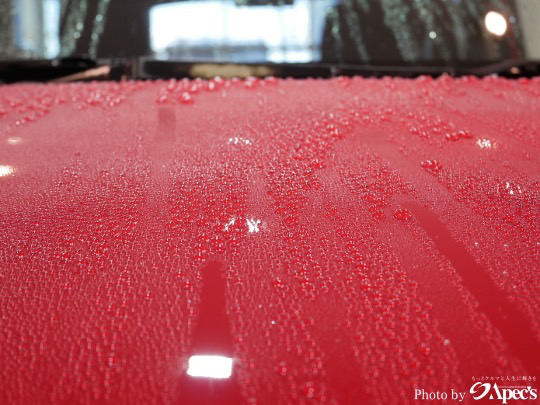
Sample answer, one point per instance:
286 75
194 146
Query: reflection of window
223 31
51 22
28 23
36 27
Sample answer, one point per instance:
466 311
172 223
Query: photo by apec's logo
505 394
481 391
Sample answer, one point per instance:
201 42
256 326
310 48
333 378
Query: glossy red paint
343 241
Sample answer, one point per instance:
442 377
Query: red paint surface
345 241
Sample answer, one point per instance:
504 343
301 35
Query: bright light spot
14 140
230 223
432 34
484 143
495 23
236 140
253 225
210 366
510 188
6 170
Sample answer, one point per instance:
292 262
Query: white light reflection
210 366
495 23
484 143
230 223
510 188
6 170
236 140
253 225
14 140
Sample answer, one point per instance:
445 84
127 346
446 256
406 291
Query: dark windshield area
283 31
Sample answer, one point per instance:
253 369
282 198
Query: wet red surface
342 241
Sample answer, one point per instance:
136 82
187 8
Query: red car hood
340 241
